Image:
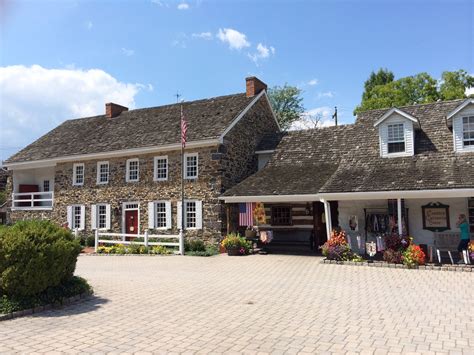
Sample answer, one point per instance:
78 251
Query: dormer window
397 133
396 138
468 131
461 119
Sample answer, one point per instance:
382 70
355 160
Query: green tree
381 91
454 84
287 103
382 77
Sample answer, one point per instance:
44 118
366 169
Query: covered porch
298 224
424 215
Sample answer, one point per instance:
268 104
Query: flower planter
234 251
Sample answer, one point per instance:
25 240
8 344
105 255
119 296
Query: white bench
448 242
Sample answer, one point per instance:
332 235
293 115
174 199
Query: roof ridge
160 106
413 105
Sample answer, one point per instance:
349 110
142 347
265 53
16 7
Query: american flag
184 128
246 214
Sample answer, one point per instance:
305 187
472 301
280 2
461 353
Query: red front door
131 222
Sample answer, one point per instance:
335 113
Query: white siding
458 129
409 136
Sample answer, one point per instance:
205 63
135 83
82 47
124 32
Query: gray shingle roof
347 159
139 128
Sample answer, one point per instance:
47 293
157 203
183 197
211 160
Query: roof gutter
354 196
113 154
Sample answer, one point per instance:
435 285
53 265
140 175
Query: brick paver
254 305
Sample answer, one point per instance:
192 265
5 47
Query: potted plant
235 244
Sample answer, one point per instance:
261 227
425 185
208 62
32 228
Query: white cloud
326 94
89 25
159 3
35 99
183 6
469 91
234 38
262 53
203 35
128 52
313 82
315 118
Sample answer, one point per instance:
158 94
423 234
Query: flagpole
182 172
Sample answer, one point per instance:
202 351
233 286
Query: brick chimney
254 86
113 110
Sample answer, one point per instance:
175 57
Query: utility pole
334 116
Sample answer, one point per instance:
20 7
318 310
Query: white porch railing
146 239
32 200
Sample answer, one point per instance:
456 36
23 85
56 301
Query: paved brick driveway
254 304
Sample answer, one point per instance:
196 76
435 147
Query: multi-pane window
191 214
46 186
281 216
78 174
160 215
132 170
396 138
102 172
468 131
76 217
101 216
191 166
161 168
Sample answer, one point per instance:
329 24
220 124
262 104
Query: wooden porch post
399 210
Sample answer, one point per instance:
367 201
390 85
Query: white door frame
124 209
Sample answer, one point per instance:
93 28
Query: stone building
121 171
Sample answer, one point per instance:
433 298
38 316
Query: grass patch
52 295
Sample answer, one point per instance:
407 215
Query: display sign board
435 217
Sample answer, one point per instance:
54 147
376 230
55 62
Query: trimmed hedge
35 255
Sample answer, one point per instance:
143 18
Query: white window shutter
69 217
93 217
107 217
168 214
151 215
458 134
179 213
83 217
198 214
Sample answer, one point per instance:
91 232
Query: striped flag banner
184 128
246 214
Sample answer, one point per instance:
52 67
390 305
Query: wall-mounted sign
371 249
435 217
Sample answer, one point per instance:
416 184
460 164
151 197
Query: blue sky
64 59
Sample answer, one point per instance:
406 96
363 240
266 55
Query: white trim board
459 108
242 114
115 153
401 113
344 196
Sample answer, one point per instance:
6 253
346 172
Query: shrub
194 245
413 256
160 249
209 251
35 255
392 256
90 241
52 295
236 241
